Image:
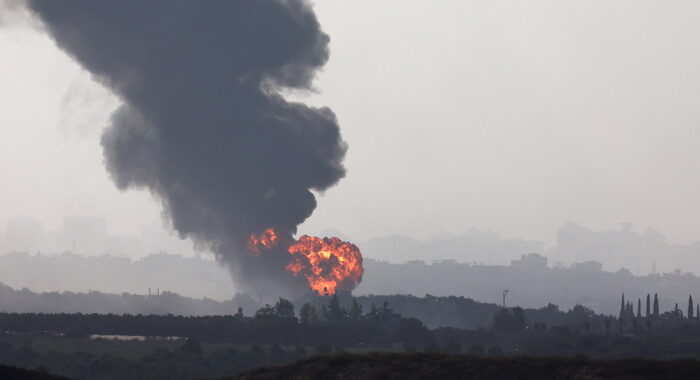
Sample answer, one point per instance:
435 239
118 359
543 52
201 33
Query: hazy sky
503 115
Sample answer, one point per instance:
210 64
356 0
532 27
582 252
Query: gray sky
509 116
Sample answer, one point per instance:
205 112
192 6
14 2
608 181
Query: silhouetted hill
99 285
436 366
110 274
531 281
470 246
26 301
12 373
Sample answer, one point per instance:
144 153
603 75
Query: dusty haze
510 117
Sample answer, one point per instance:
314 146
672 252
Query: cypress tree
656 305
691 309
335 312
648 306
639 308
622 306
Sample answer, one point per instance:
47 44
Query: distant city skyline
207 189
89 236
635 249
486 119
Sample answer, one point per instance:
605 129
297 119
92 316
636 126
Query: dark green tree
265 312
656 305
691 309
307 314
355 310
385 308
284 308
648 314
510 320
639 308
622 306
336 313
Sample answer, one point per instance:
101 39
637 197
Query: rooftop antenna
505 293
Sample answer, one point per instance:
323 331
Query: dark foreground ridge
12 373
438 366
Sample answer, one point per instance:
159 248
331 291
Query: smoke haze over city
536 129
258 189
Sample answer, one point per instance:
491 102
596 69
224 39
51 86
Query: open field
439 366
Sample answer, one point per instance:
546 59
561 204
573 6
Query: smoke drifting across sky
202 125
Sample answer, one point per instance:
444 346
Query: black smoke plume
202 124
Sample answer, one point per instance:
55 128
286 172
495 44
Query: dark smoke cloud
202 125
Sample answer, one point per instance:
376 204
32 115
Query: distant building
445 262
530 261
588 266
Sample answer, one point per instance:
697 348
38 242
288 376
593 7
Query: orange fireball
326 263
267 239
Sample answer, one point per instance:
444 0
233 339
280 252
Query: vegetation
180 347
534 283
11 373
106 359
437 366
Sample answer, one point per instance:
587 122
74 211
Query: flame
267 239
327 263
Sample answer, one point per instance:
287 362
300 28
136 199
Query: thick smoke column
202 125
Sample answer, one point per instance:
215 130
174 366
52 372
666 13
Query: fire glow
267 239
328 264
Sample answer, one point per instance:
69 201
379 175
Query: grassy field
132 350
438 366
135 350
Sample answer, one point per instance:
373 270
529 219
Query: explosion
328 264
267 239
204 125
